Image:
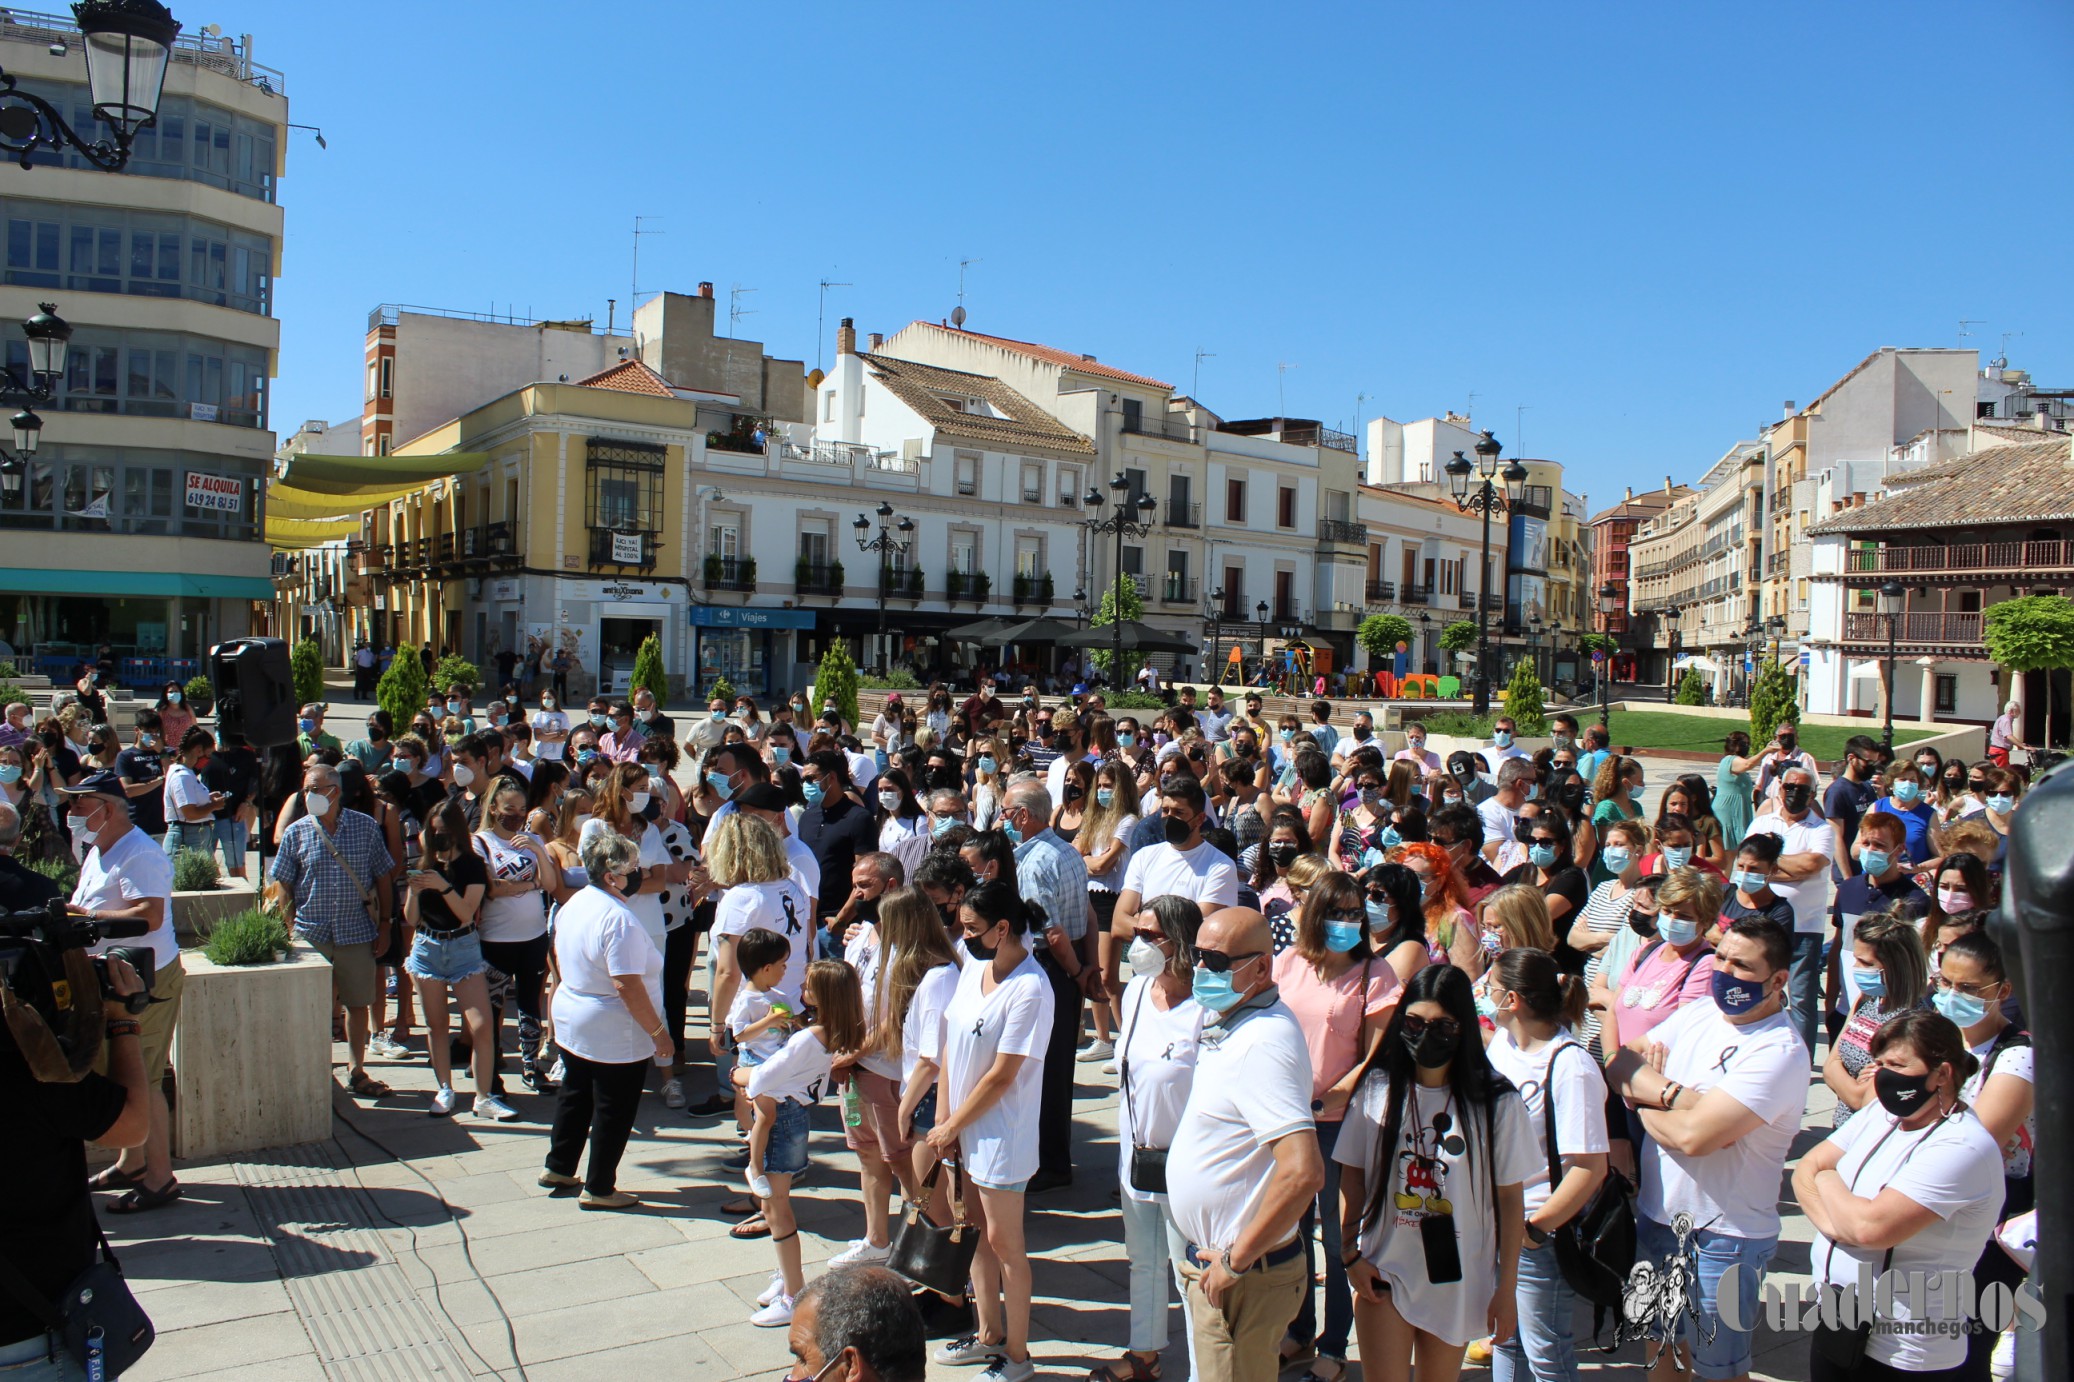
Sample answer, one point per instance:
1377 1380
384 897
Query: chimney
1667 484
1631 492
846 337
706 289
877 339
1789 409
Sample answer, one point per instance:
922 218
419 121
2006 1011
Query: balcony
610 547
446 548
740 438
967 585
1417 594
1338 530
2027 560
731 573
901 583
1171 426
1183 515
1033 589
1538 500
1177 589
1314 434
1382 592
1914 630
1289 612
817 577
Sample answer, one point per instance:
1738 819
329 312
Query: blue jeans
1339 1296
232 838
30 1361
448 961
1155 1249
200 835
1804 987
787 1153
1540 1350
1727 1354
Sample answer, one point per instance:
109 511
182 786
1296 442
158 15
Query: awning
292 501
292 533
143 583
1698 663
358 474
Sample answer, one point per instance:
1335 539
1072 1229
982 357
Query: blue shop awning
26 580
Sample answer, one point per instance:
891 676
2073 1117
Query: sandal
1295 1353
755 1226
1338 1365
1138 1370
366 1086
115 1178
143 1198
745 1205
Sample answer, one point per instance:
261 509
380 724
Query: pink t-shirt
1652 990
1331 1014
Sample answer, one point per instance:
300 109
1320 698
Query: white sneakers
772 1291
387 1047
491 1107
1096 1050
778 1312
673 1093
860 1253
443 1103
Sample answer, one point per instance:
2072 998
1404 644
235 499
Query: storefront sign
621 592
626 548
723 617
506 590
222 493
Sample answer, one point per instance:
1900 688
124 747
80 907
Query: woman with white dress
995 1031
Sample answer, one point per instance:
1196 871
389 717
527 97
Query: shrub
200 691
1772 700
10 692
899 679
1524 700
1135 700
1599 643
252 937
1459 724
306 667
1458 637
1380 634
451 669
9 671
401 691
648 670
195 871
1692 688
835 680
63 872
721 689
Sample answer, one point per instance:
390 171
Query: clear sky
1646 225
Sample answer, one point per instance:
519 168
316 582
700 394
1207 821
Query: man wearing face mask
870 877
1785 753
1846 799
1880 881
1807 845
858 1324
309 731
1562 733
650 717
833 826
1182 863
1503 749
1501 810
1459 830
1721 1118
622 740
1244 1162
479 769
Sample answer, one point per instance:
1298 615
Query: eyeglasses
1446 1028
1217 962
1940 984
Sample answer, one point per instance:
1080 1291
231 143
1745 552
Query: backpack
1595 1250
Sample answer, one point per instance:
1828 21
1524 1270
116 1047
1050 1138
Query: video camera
54 995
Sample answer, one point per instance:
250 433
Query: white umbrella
1698 663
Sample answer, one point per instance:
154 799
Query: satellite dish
957 316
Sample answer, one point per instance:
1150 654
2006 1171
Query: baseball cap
762 797
104 783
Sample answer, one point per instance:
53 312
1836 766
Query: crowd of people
1383 1027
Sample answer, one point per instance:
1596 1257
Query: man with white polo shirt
1802 877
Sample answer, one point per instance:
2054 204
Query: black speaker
255 691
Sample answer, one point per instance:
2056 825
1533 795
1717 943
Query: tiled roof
1647 504
2011 433
630 376
1079 364
2032 483
922 387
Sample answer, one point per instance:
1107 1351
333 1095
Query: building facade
1613 534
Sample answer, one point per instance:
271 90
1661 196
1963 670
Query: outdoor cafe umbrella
976 632
1134 635
1043 629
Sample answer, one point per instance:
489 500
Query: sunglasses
1446 1028
1149 937
1217 962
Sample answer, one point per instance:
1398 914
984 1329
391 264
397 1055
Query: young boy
757 1024
1752 893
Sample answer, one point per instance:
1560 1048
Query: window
626 486
1981 410
1177 494
964 551
1033 482
1235 501
1447 577
388 377
828 406
1133 415
968 473
1285 507
1136 480
1134 560
724 540
1235 593
813 544
1069 486
142 253
374 374
1029 557
1948 690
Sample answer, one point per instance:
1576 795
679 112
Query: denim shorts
1013 1187
447 962
925 1115
1727 1354
787 1154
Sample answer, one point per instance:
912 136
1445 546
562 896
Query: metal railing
829 453
893 463
818 577
219 55
1959 557
1417 594
1936 628
1290 613
1181 514
1169 426
1339 530
1178 590
1313 434
730 573
1038 589
1382 590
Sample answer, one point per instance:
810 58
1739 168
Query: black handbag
1595 1250
98 1320
932 1254
1148 1164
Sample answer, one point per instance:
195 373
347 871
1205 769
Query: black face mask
1899 1094
654 809
1283 855
1796 796
950 917
980 950
1178 831
1361 733
1787 743
1644 923
1432 1048
1073 793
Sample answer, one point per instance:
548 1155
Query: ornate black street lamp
1609 605
885 544
1893 598
129 44
48 334
1124 525
1474 493
1261 610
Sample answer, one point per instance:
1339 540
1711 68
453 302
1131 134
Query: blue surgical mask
1378 915
453 707
1388 837
1126 740
1502 738
2001 803
720 714
721 783
1675 856
305 725
1285 735
1871 982
780 755
1617 858
1733 995
1542 855
813 792
1215 991
1876 861
1342 936
1750 881
401 765
986 763
10 773
598 719
1104 796
1962 1008
586 756
1907 792
1009 828
943 823
1677 930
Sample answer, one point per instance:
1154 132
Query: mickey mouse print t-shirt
1013 1019
782 907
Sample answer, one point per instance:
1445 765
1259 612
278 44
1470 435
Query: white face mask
637 803
890 800
463 774
318 803
1145 958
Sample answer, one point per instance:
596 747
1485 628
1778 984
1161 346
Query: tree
835 681
648 670
1121 601
1599 643
2032 633
1692 688
721 690
1772 700
1380 634
1523 699
453 670
1458 637
306 669
401 691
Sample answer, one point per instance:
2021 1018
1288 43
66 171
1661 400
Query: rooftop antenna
1471 415
735 310
1518 415
821 317
1195 384
1360 400
634 288
2002 362
611 306
958 312
1282 369
1965 322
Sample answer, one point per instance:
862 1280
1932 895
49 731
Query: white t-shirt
864 953
806 868
1204 875
1810 896
1000 1146
797 1073
1252 1088
906 840
864 768
1394 1243
751 1005
1952 1168
782 907
549 722
184 787
1580 1102
1160 1048
1500 824
128 871
596 937
2015 1060
522 916
921 1031
647 907
1763 1067
1111 879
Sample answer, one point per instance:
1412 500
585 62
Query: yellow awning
360 474
292 501
292 533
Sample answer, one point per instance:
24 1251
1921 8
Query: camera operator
47 1229
125 875
21 888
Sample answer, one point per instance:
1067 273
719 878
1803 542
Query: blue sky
1648 225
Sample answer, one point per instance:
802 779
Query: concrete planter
196 913
252 1055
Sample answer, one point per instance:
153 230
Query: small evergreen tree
1692 688
401 691
1772 700
2032 633
722 689
835 681
306 670
1458 637
453 669
1380 634
1523 699
648 670
1120 601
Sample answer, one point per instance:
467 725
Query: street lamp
48 336
1425 637
1261 610
1080 614
1672 614
1893 598
128 46
1473 491
1534 644
1123 525
1609 605
885 545
1213 632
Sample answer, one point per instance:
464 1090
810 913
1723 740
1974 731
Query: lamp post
48 336
1123 525
1080 614
1213 631
1609 605
1474 493
1425 637
1672 614
885 544
1893 597
1534 646
129 44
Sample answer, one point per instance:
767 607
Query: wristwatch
1536 1234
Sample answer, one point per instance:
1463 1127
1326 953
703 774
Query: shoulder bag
1148 1164
393 955
1595 1250
932 1254
1843 1345
97 1319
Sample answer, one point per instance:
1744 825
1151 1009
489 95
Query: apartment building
1613 534
1422 554
156 443
1693 592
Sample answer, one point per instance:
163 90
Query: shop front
757 650
602 624
158 625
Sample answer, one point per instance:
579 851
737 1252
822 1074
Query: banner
222 493
626 548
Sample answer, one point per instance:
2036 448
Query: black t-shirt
1571 884
1844 803
433 908
837 831
65 758
147 812
235 773
47 1217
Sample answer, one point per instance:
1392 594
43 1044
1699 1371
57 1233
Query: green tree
1692 688
1458 637
1772 700
401 691
1523 699
1380 634
1120 601
835 681
306 669
454 669
648 670
721 690
1599 643
2032 633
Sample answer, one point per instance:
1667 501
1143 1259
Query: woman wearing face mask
565 848
443 903
903 824
550 728
1672 967
1891 977
938 716
1913 1186
988 779
1904 799
1162 1028
1513 918
1677 846
1396 920
1734 787
629 806
174 716
1366 825
1272 861
1433 1159
1702 848
1615 792
2000 790
1552 869
1962 886
1342 997
751 719
1605 911
21 786
1102 837
523 876
1604 985
991 857
1451 931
